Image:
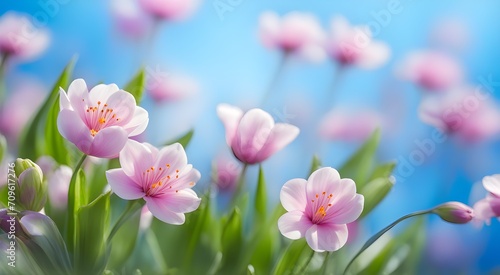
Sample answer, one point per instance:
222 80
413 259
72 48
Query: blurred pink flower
295 32
58 178
454 212
354 45
463 112
319 209
161 177
17 110
171 88
432 70
489 207
130 18
349 126
254 136
170 9
226 172
146 219
19 38
99 122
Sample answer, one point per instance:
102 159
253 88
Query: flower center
320 206
160 179
99 117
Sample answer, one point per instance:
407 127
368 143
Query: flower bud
31 190
454 212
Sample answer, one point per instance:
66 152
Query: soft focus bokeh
215 55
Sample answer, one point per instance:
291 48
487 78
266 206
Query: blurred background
216 54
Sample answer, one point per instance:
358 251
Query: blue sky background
225 56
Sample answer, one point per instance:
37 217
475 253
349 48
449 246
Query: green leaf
32 140
124 241
77 197
25 262
98 179
54 142
374 192
401 254
184 140
261 197
137 85
232 241
360 164
91 253
290 258
315 164
3 148
383 170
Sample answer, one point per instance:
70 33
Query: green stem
132 208
303 268
239 185
73 191
382 232
337 79
3 63
325 263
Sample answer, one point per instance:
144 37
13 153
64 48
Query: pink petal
230 117
73 129
108 142
64 100
492 184
138 123
374 55
293 195
173 155
158 208
252 133
269 27
123 185
483 212
344 211
327 237
322 180
102 92
122 103
78 95
294 225
281 135
187 178
136 158
183 201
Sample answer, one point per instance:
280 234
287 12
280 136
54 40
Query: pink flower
16 111
171 88
254 136
433 71
58 178
170 9
19 38
295 32
226 173
349 126
353 45
99 122
319 209
130 18
454 212
161 177
489 207
464 112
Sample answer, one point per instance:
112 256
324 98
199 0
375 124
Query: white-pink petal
161 211
180 201
492 184
230 117
293 195
123 185
108 142
327 237
294 224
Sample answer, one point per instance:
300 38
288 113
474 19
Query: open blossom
99 122
319 209
170 9
489 207
353 45
253 136
163 178
171 88
463 112
345 126
295 32
431 70
19 38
